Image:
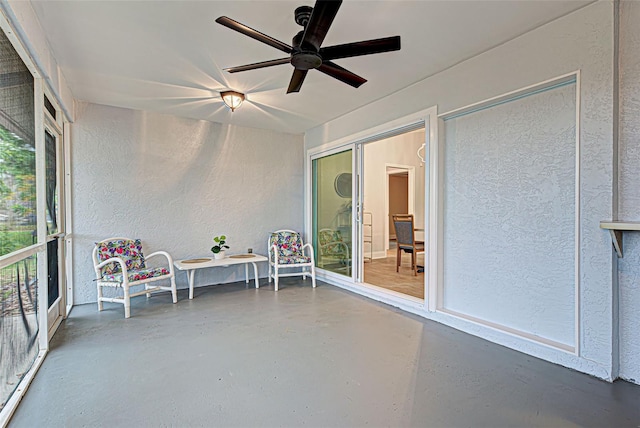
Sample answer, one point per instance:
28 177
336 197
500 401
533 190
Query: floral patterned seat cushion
292 260
289 247
129 250
137 275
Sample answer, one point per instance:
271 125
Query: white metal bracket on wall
616 228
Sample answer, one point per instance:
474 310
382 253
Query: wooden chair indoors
406 240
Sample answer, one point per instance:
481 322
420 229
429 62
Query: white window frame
439 289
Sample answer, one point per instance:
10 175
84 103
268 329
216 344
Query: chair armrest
307 245
166 255
123 267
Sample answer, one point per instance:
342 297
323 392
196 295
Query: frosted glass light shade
232 99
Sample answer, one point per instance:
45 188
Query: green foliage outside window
17 192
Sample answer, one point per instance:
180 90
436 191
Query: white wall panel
509 214
175 183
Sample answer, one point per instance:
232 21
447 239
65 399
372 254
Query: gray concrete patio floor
237 356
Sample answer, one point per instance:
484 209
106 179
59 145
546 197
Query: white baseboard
379 254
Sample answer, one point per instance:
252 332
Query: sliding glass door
332 202
351 206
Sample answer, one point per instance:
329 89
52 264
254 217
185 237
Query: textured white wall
175 183
629 182
509 214
399 150
583 41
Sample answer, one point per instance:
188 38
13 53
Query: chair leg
313 276
398 256
174 290
275 277
127 303
269 273
414 263
100 303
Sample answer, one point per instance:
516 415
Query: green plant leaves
220 244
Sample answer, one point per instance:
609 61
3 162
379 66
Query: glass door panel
53 280
332 212
51 160
55 259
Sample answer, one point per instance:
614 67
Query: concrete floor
236 356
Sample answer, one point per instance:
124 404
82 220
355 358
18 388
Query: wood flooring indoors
382 273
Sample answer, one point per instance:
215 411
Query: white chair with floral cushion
287 251
120 263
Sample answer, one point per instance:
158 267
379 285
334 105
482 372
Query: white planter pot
219 255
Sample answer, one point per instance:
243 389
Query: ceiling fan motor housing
304 57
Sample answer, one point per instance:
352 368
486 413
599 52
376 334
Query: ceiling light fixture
232 99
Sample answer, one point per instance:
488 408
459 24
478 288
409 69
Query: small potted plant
219 247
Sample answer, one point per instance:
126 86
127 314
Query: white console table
191 265
616 228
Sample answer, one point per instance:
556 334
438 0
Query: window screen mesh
18 281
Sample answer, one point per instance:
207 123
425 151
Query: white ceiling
168 56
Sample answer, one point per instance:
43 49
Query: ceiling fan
306 52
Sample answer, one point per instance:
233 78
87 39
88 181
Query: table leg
191 274
246 273
255 273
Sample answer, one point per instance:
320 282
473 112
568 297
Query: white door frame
57 311
411 170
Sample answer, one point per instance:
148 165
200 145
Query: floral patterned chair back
129 250
288 252
289 247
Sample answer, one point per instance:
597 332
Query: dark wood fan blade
366 47
296 80
257 65
321 18
342 74
254 34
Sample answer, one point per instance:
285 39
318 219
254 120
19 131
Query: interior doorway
399 197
